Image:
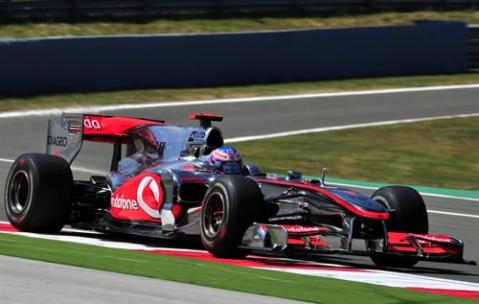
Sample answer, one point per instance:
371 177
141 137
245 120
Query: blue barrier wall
130 62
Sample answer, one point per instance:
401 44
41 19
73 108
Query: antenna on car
323 175
205 118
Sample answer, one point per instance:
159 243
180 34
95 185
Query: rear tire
230 206
408 214
38 193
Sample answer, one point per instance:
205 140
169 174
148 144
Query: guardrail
75 8
473 46
81 64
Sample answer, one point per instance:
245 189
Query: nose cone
359 199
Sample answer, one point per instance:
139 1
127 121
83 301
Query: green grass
247 23
440 153
272 283
157 95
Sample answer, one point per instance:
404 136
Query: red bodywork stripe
343 203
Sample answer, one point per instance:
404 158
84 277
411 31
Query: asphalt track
68 284
27 134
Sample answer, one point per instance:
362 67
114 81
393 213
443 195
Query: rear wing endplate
65 136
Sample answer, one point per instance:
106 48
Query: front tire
408 214
230 206
37 193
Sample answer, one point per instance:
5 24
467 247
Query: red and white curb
387 278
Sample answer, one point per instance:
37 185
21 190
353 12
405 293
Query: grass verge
439 153
271 283
164 95
229 24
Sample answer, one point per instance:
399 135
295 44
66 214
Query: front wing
296 239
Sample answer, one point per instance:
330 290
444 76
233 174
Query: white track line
95 172
372 276
93 240
423 193
92 109
344 127
271 135
386 278
453 213
74 168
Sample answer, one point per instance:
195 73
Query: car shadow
319 261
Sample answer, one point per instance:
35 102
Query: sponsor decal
303 229
138 199
124 203
59 141
74 124
197 136
434 238
153 186
91 123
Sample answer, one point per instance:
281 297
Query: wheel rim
214 215
18 193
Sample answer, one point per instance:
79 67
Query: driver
129 166
227 160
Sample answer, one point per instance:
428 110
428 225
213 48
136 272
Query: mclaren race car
161 185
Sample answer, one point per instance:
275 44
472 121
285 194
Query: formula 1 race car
161 184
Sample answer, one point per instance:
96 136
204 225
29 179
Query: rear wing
66 133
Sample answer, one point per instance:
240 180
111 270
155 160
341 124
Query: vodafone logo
301 229
148 183
143 193
121 202
434 238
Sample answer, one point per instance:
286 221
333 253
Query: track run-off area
267 117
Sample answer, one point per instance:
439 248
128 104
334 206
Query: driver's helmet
226 159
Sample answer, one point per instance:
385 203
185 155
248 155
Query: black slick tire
407 214
38 193
230 206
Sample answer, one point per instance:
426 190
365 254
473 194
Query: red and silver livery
160 184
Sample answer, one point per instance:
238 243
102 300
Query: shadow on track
357 262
